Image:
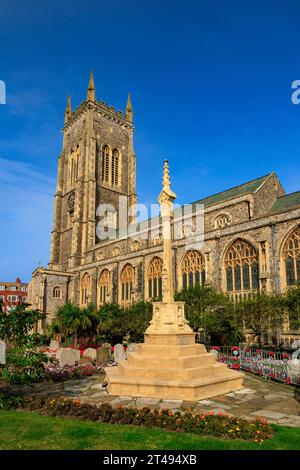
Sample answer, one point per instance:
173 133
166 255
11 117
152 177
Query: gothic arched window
241 265
103 287
154 278
85 289
57 292
105 164
291 256
115 167
192 270
126 281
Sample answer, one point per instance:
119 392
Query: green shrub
24 362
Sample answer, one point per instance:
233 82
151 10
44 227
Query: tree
73 321
136 320
92 314
117 322
262 314
212 311
24 361
292 304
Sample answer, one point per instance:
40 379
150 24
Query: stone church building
251 232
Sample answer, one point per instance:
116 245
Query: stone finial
91 91
68 111
166 194
129 110
166 176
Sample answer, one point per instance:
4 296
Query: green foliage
262 314
218 425
74 321
117 323
24 362
110 322
292 304
209 310
24 365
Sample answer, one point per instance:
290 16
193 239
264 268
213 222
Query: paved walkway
260 397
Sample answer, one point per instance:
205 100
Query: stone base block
173 367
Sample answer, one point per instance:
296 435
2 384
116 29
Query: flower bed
218 425
58 373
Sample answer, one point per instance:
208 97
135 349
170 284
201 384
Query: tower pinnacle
91 91
68 110
129 110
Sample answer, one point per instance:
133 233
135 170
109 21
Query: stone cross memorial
169 364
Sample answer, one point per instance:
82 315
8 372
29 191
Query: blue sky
211 90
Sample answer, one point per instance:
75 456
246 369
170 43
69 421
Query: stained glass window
192 269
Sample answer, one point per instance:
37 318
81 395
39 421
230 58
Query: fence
275 365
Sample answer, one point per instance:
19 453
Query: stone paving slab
268 414
273 401
170 404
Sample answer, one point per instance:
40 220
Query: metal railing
274 365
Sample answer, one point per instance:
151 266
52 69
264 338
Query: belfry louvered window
105 164
115 167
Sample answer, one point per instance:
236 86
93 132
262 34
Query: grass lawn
26 430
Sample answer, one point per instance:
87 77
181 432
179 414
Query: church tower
96 167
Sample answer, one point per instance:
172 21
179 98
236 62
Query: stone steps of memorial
181 389
162 373
170 350
196 360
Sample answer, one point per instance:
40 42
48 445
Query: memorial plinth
169 364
